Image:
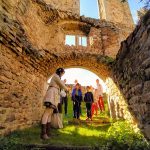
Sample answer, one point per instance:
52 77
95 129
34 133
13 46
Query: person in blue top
76 98
88 98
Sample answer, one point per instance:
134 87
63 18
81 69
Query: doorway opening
85 78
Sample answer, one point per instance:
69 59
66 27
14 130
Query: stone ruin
32 46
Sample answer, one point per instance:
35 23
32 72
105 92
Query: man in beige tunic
51 100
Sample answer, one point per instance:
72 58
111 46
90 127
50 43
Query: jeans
76 109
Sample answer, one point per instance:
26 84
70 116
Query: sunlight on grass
68 130
88 132
84 131
119 135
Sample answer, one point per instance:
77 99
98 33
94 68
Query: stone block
146 131
135 99
10 118
2 111
146 87
8 74
147 74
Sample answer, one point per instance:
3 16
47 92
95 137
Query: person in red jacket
95 104
100 93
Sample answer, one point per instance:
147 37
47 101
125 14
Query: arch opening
85 78
116 105
76 70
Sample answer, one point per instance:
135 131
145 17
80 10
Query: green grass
118 135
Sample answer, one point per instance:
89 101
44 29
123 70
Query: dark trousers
60 107
88 109
80 109
65 102
76 109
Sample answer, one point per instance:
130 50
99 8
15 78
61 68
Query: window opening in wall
75 40
70 40
82 41
89 8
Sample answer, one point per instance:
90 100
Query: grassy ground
118 135
73 133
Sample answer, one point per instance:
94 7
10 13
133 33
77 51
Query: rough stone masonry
32 46
131 72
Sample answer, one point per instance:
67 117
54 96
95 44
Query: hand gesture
67 90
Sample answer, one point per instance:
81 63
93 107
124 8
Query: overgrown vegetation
111 136
105 59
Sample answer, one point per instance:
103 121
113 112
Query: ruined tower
114 11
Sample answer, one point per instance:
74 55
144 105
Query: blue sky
134 6
89 8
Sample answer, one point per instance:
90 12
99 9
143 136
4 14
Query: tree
146 2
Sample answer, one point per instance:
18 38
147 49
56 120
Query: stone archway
29 85
117 106
95 64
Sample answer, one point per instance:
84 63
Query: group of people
93 99
56 95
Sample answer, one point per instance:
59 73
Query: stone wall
132 73
65 5
116 11
117 103
26 63
21 93
38 20
22 84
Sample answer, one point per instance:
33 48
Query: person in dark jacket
76 98
88 98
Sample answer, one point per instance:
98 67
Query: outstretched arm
60 83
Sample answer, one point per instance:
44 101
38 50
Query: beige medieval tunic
53 92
